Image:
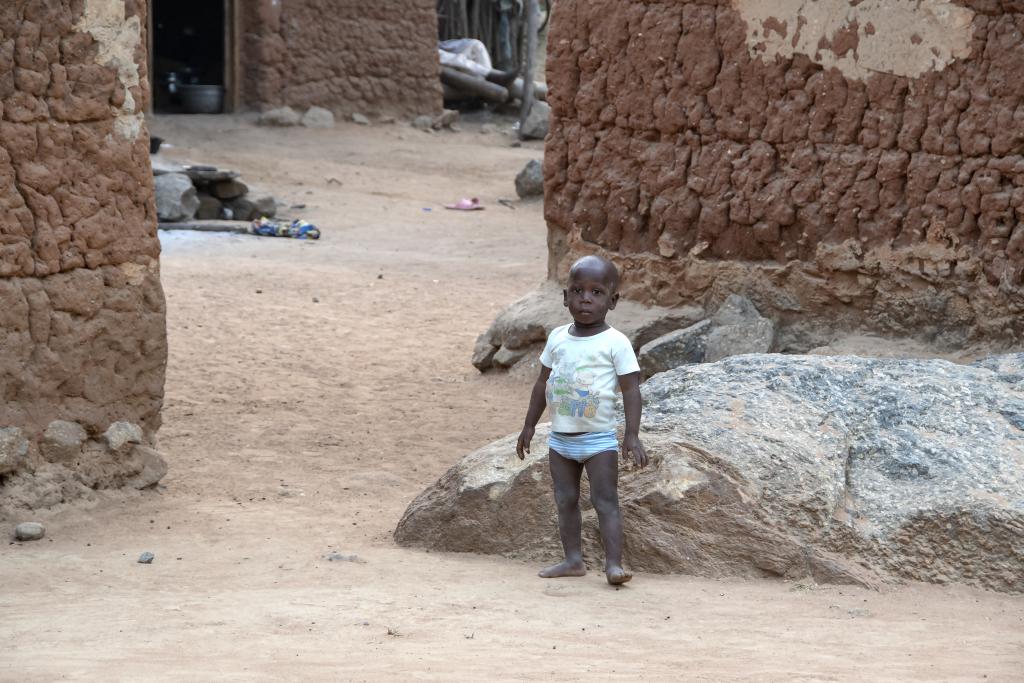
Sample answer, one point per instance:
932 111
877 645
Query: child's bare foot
561 569
617 575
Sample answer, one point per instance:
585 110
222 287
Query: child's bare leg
565 474
603 473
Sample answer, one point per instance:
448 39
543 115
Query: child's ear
565 298
613 300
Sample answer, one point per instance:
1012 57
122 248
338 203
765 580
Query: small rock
210 208
318 117
530 181
62 441
13 449
446 119
121 434
536 125
229 189
176 198
153 468
162 165
489 129
671 350
203 175
422 122
146 558
282 116
242 209
29 531
360 119
265 206
736 340
483 353
735 310
738 329
506 357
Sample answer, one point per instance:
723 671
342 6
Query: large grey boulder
671 350
530 181
176 197
841 469
526 323
536 125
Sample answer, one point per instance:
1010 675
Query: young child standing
582 367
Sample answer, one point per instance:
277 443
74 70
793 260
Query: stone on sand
29 531
835 469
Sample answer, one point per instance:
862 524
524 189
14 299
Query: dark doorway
189 43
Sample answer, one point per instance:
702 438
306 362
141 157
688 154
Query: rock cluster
185 192
314 117
839 469
66 461
521 329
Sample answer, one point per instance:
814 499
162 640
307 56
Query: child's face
589 296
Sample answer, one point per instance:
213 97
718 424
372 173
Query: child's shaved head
598 268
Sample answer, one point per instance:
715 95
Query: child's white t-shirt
585 378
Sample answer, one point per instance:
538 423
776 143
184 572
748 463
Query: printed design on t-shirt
570 388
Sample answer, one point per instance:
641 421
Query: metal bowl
202 99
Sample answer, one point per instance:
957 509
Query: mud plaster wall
345 55
845 164
82 326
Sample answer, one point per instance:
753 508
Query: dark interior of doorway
188 48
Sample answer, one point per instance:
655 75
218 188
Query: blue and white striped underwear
583 447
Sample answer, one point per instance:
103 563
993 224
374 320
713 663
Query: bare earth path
312 391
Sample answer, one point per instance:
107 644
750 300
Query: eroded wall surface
845 164
346 55
82 317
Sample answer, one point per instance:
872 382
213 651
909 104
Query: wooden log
540 91
473 85
531 58
241 227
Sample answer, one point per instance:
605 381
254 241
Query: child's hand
523 445
631 444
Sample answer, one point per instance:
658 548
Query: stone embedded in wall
841 181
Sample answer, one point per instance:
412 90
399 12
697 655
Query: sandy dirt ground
313 390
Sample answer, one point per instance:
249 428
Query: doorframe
232 56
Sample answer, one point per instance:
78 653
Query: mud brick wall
346 55
82 331
845 164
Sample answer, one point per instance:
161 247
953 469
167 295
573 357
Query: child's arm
630 386
533 413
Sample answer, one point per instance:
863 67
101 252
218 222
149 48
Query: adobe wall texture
82 324
847 165
346 55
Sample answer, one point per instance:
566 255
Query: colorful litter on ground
298 229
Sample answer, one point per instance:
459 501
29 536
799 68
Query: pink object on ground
465 205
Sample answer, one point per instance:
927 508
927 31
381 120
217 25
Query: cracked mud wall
847 165
346 55
82 316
